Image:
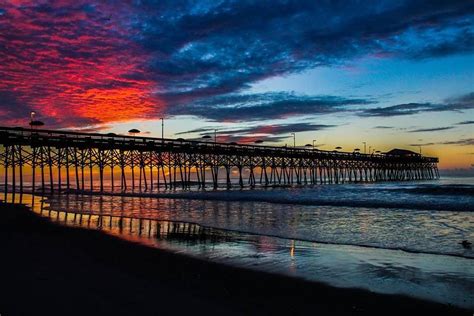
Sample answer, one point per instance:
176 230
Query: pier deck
65 159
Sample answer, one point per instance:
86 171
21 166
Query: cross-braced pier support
48 159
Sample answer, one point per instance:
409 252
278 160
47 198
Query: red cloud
72 65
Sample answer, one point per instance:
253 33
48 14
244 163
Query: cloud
383 127
422 144
274 129
224 46
267 133
248 139
435 129
255 107
399 109
460 103
91 129
461 142
465 123
83 63
69 62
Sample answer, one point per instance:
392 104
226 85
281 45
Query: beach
52 269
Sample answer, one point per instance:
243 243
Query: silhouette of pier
68 161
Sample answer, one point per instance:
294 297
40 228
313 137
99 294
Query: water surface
389 238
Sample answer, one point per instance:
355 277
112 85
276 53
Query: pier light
162 128
34 124
133 131
314 141
294 139
365 147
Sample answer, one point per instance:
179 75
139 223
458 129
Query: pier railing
71 156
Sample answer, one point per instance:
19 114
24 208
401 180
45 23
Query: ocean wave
453 189
454 205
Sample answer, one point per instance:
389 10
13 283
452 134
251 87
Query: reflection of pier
138 227
76 160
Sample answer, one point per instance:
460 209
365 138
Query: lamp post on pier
162 129
34 122
294 139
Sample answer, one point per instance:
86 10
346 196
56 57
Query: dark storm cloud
255 107
221 47
464 102
465 123
461 42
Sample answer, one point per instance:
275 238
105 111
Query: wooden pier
63 161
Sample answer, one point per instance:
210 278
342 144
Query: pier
64 161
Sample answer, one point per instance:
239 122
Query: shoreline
47 268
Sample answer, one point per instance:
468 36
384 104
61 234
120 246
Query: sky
387 73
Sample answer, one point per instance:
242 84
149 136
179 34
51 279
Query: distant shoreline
50 269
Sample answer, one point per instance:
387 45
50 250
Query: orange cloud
72 66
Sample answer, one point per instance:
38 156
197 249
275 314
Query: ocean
393 237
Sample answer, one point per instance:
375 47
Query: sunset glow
396 74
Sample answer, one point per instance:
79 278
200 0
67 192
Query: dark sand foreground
47 269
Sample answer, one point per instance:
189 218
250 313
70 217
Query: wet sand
48 269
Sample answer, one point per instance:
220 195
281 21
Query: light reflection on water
446 279
412 230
